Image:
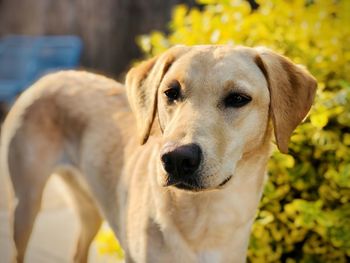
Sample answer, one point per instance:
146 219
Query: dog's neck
218 218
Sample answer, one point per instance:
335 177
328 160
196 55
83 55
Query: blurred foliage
107 244
305 211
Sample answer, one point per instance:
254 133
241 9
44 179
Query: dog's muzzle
181 164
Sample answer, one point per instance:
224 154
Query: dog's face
211 113
213 107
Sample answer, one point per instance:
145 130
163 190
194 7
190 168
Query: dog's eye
236 100
173 93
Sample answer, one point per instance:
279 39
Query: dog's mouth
189 185
193 184
225 181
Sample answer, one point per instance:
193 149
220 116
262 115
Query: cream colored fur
80 125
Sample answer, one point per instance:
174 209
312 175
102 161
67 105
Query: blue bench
24 59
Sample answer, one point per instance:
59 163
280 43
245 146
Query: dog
175 161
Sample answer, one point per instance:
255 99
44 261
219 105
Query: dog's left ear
142 83
292 90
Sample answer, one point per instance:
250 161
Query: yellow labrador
191 192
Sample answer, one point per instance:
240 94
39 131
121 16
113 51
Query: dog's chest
209 256
207 224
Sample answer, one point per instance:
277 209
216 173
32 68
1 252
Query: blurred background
107 29
305 211
104 36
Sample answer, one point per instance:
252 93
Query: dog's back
53 114
62 124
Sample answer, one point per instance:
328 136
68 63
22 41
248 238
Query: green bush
305 212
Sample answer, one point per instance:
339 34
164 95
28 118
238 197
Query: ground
55 230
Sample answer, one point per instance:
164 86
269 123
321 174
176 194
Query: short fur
80 126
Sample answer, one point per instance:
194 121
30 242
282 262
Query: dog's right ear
292 90
142 83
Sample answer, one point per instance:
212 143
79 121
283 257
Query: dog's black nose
182 161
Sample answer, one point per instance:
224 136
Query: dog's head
213 105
